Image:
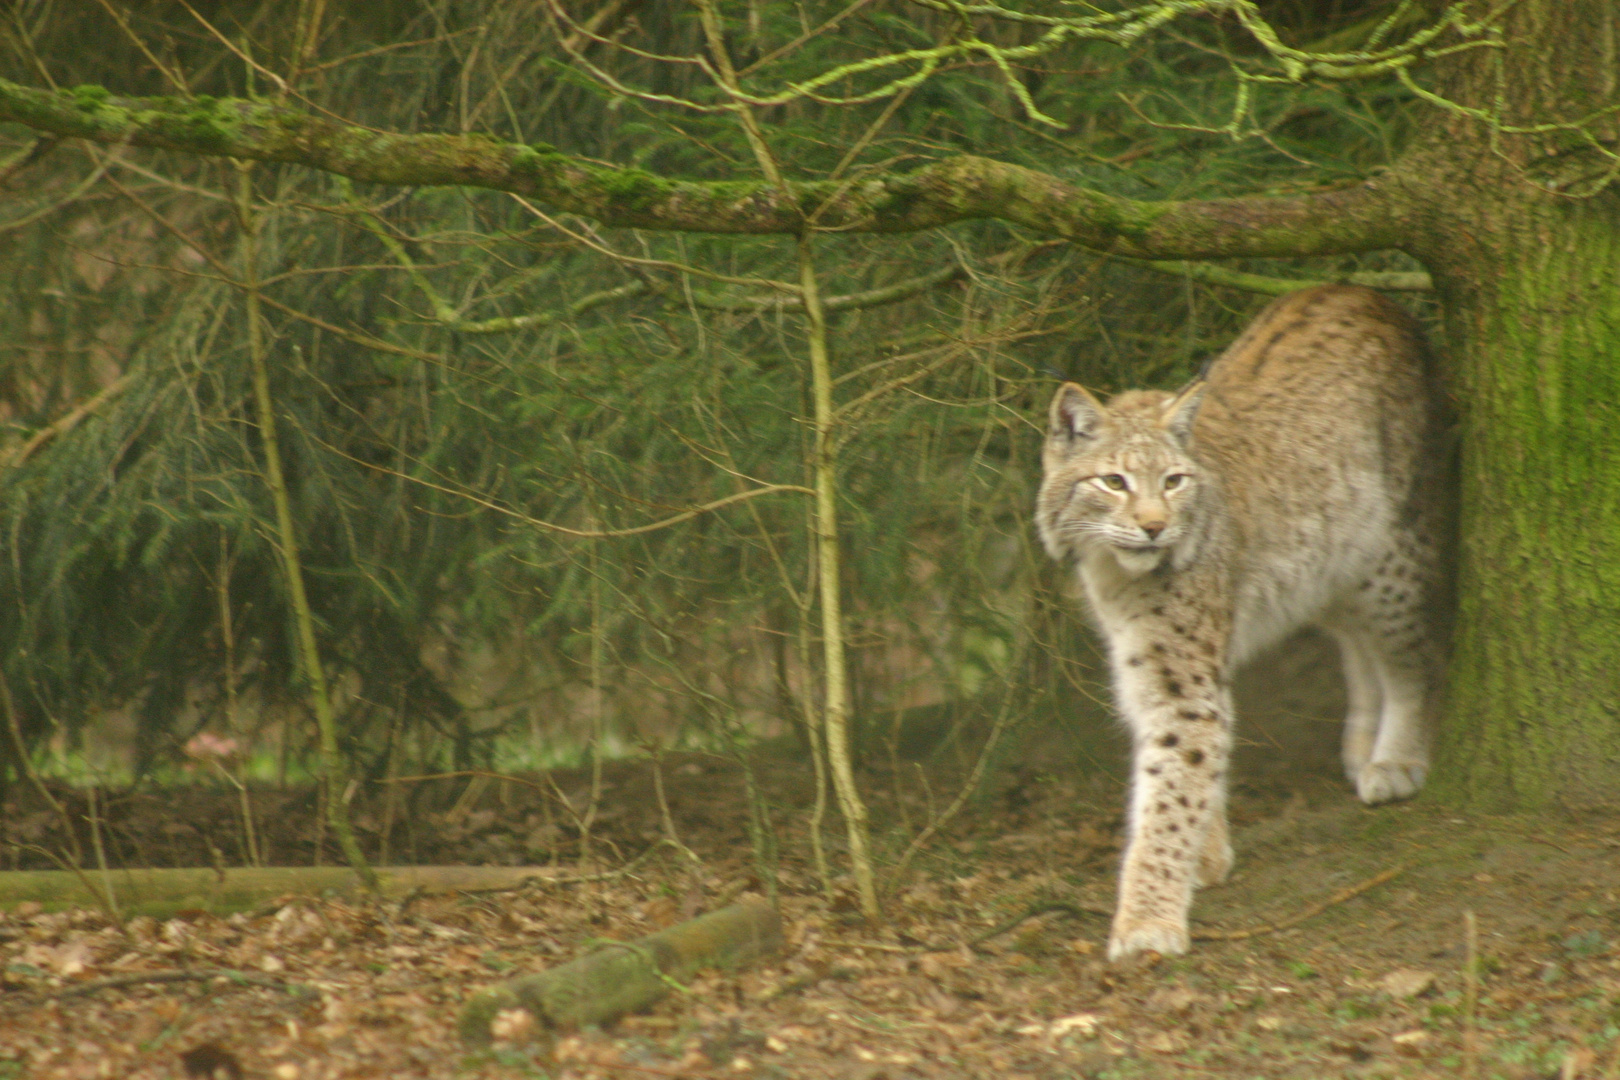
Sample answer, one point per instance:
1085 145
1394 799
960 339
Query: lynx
1299 482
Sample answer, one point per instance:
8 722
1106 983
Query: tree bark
1526 259
1536 346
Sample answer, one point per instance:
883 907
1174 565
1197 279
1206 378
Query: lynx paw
1355 758
1134 936
1214 863
1386 781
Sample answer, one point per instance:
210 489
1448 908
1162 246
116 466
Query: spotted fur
1299 483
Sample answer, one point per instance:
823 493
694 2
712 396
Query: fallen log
163 892
625 977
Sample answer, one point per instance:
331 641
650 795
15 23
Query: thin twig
1077 910
460 773
683 1074
656 751
66 422
1268 285
227 974
548 526
877 946
1470 996
922 839
1308 913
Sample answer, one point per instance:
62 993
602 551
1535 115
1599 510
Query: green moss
536 155
634 189
89 98
205 124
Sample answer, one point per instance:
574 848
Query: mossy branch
1361 217
1211 274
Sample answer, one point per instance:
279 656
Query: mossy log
624 977
161 893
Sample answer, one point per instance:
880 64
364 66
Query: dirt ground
1305 969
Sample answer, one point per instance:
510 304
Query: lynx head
1120 477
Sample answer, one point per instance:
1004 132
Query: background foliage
432 447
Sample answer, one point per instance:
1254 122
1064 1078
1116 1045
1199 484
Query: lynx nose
1153 529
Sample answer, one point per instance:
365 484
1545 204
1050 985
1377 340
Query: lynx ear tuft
1075 413
1180 412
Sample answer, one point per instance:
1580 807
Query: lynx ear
1178 415
1075 413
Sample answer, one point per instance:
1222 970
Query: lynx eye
1174 480
1114 482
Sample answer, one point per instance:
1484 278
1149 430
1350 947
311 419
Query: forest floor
1372 982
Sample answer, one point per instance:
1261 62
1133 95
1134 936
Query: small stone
1410 1043
1407 983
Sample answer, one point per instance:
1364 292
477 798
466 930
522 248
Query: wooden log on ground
163 892
625 977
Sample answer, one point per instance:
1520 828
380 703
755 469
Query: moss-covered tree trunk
1526 254
1535 675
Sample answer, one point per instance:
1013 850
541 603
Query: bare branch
1211 274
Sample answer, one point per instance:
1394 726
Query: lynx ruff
1298 483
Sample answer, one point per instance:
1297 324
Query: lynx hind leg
1365 693
1215 860
1397 642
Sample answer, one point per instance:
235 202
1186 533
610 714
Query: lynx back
1301 482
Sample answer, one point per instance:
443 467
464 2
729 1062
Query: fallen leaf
1084 1024
1410 1043
1406 983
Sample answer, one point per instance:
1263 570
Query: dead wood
223 975
163 892
623 977
1309 912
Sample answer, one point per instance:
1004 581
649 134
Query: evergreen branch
509 323
868 298
581 534
16 455
1362 217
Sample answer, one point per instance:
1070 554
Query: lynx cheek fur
1301 482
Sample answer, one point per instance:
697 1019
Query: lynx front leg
1177 841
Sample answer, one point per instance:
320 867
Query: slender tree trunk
835 669
334 769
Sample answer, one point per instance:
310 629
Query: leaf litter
991 962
